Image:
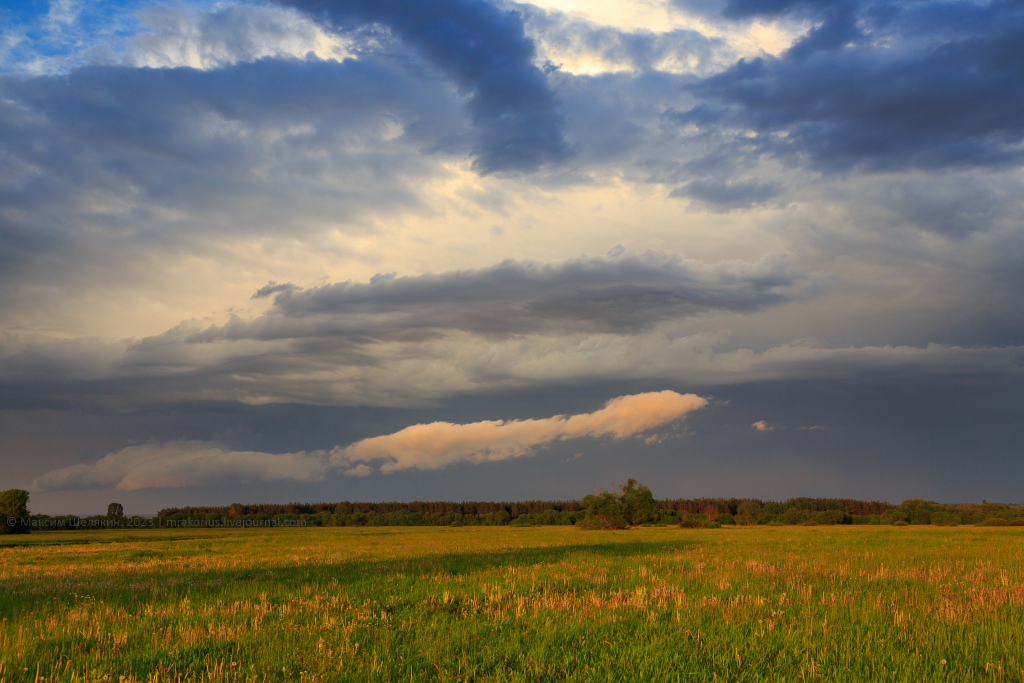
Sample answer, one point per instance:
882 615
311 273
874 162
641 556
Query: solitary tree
14 511
633 505
115 510
638 501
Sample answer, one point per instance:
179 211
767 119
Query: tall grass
515 604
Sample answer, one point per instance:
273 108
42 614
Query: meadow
761 603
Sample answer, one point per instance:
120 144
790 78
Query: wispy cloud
177 464
763 426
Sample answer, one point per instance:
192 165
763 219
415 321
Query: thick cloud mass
943 92
484 50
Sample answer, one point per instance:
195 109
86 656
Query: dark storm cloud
485 51
622 293
878 86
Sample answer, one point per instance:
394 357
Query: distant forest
692 512
677 511
509 511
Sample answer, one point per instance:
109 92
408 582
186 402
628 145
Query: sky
325 250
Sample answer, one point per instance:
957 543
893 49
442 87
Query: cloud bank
620 292
177 464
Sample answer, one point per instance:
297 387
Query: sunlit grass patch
499 603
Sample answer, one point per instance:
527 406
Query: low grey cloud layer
437 445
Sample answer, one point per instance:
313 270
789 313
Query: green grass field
515 604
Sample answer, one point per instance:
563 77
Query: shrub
810 522
823 517
605 511
893 516
900 522
994 521
725 518
944 518
711 512
749 512
1016 522
795 516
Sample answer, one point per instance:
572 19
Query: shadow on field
42 539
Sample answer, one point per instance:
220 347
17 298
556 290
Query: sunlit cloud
439 444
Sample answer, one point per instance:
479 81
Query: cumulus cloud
763 426
177 464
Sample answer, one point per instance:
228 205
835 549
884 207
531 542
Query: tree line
681 506
632 505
